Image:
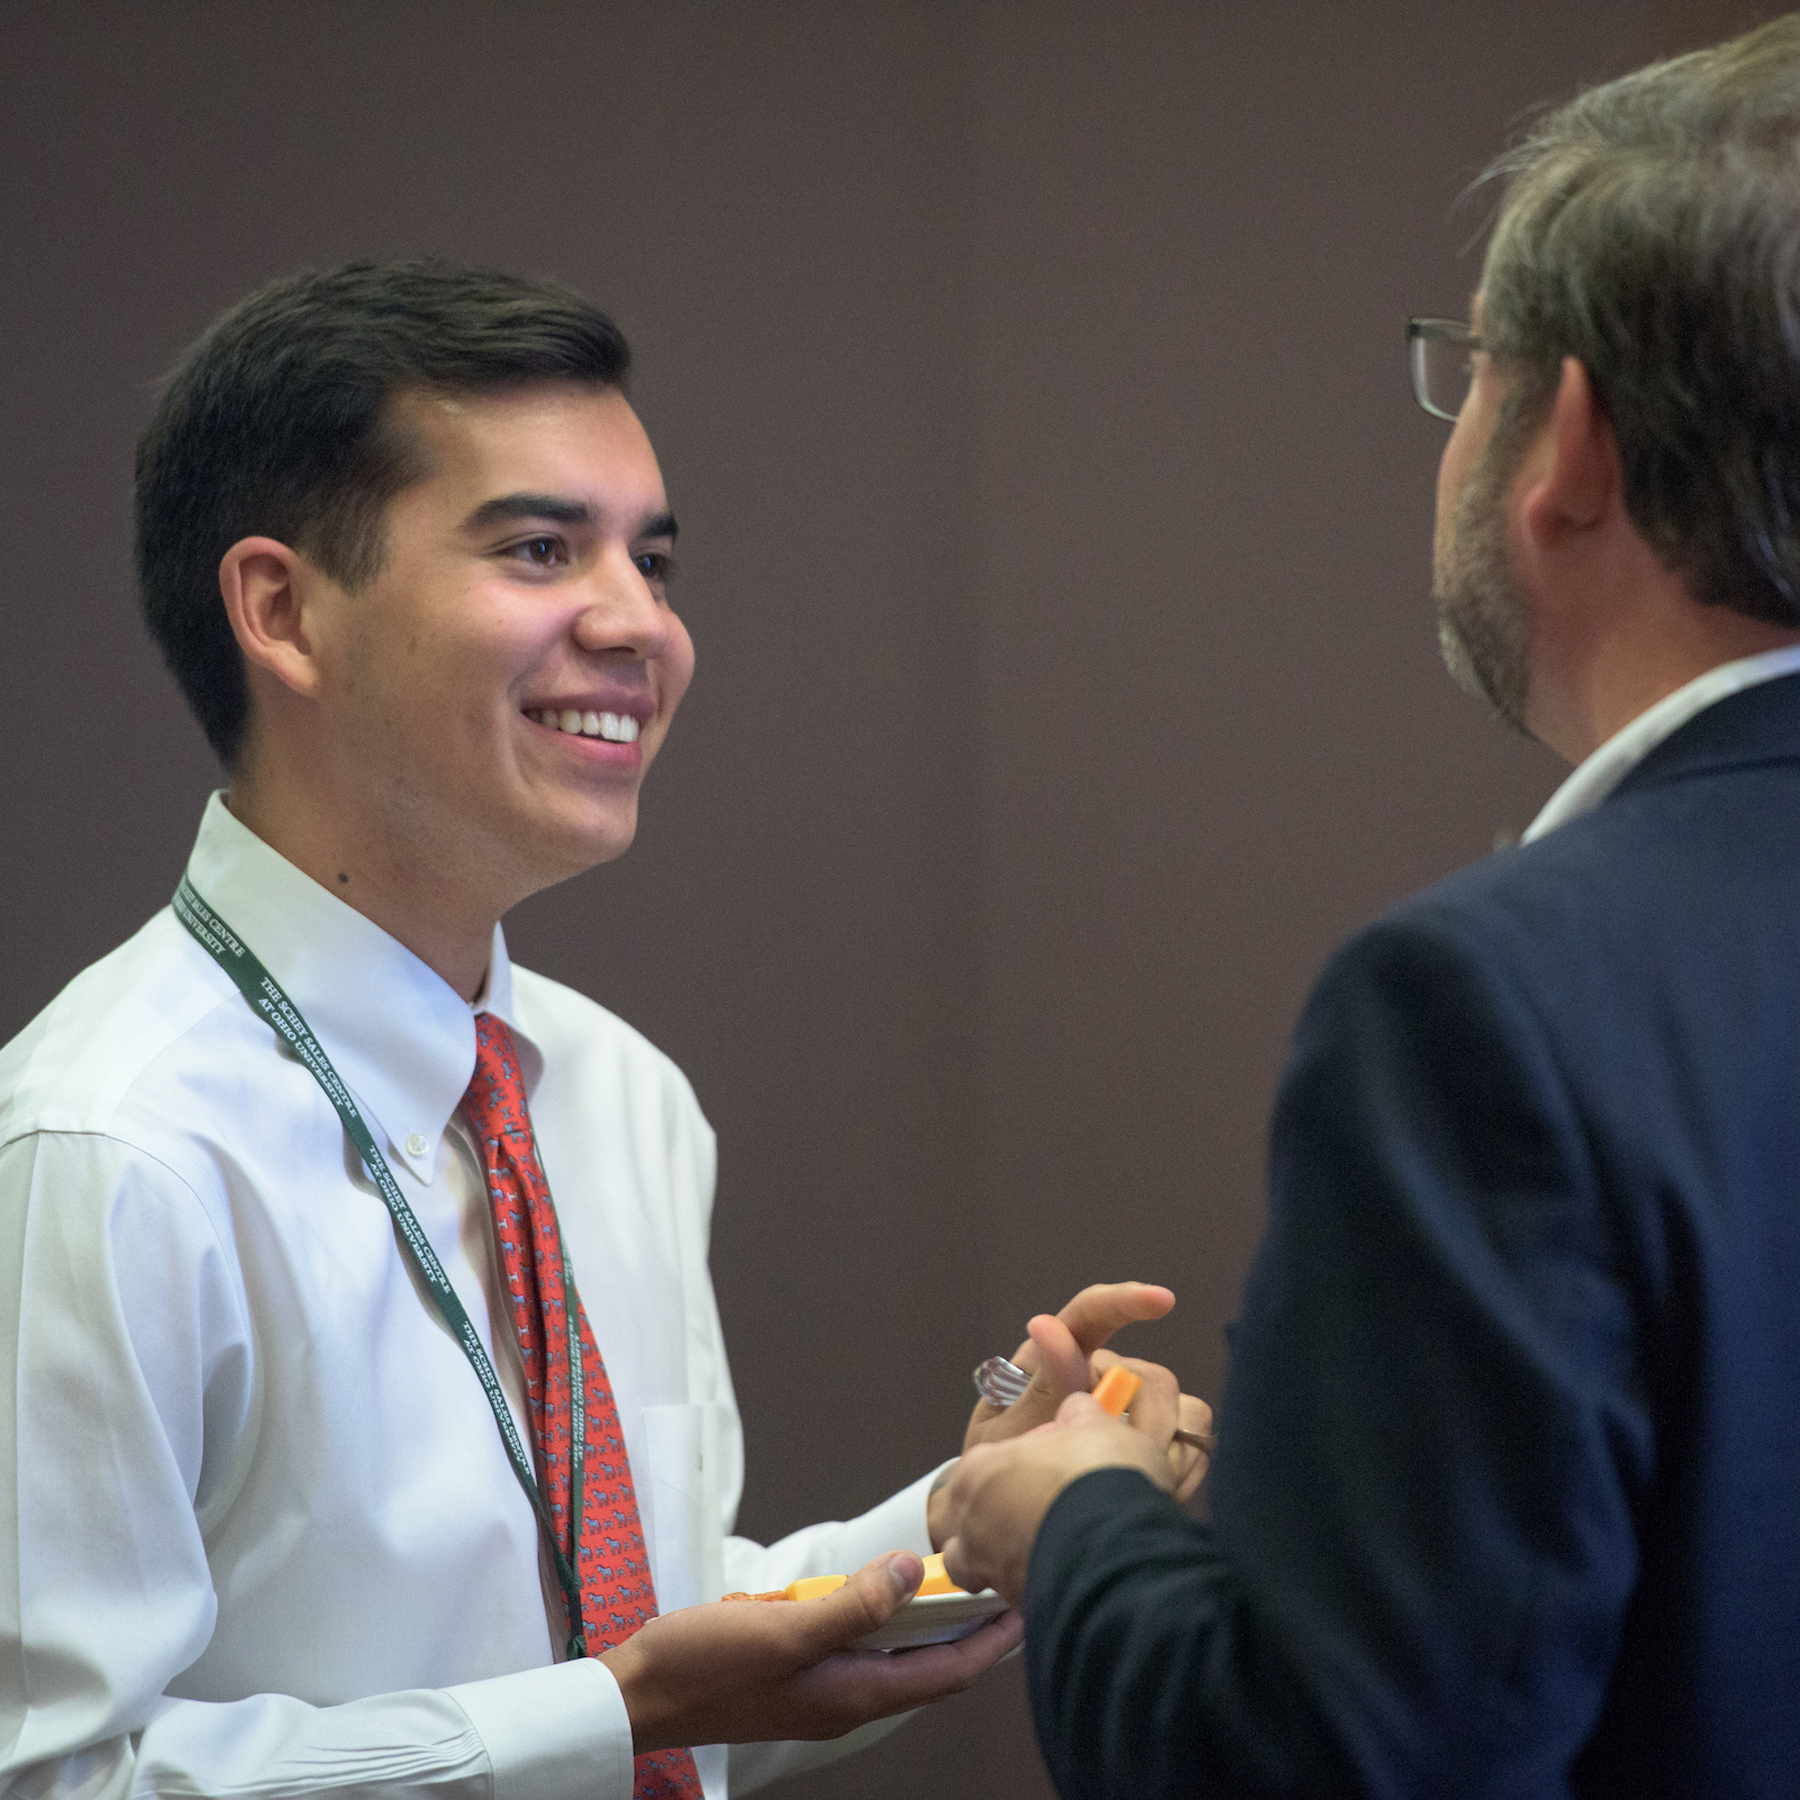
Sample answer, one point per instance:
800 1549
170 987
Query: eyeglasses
1442 353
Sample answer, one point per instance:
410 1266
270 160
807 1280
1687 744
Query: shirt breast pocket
684 1533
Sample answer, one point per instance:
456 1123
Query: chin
547 845
598 841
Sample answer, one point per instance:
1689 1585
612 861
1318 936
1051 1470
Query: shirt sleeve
1429 1445
128 1401
838 1547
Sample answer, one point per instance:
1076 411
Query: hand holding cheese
746 1672
1065 1354
1116 1389
1000 1492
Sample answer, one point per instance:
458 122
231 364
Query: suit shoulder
1634 877
1512 937
1653 926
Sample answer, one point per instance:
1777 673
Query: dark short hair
1651 230
279 422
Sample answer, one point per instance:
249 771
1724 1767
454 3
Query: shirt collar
400 1036
1602 771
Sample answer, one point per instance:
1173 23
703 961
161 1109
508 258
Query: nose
623 615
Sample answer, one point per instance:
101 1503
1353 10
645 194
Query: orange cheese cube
936 1581
1117 1388
815 1587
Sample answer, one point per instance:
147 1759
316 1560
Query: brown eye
538 552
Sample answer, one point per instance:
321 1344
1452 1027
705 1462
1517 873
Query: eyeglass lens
1442 369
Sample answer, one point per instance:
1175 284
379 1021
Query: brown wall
1028 379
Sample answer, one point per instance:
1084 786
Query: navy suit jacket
1507 1494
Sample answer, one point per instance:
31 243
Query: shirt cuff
560 1733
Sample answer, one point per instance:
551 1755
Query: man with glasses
1505 1490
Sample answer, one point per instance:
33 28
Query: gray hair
1651 229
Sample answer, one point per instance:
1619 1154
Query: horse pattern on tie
617 1592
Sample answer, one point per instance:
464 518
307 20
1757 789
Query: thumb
864 1603
1062 1363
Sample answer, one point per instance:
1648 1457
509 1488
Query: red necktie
617 1595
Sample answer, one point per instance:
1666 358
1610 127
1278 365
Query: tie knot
495 1101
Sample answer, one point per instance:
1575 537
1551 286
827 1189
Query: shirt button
416 1145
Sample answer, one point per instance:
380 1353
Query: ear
1571 477
265 584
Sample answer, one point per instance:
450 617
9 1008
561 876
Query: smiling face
493 697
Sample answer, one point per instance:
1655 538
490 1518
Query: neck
411 897
1591 685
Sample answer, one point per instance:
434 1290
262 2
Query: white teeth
614 728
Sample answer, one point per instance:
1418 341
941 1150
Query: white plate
934 1619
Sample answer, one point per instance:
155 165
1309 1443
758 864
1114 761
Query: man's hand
1000 1493
1064 1354
744 1671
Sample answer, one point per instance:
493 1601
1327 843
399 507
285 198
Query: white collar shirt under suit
261 1533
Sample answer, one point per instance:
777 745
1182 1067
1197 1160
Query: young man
1505 1495
342 1458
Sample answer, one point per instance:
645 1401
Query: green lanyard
264 993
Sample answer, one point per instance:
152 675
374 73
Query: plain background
1029 382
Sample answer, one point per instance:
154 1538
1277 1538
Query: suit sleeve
1422 1542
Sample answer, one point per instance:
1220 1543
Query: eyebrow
559 510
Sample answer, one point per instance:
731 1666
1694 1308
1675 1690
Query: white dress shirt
260 1532
1603 769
